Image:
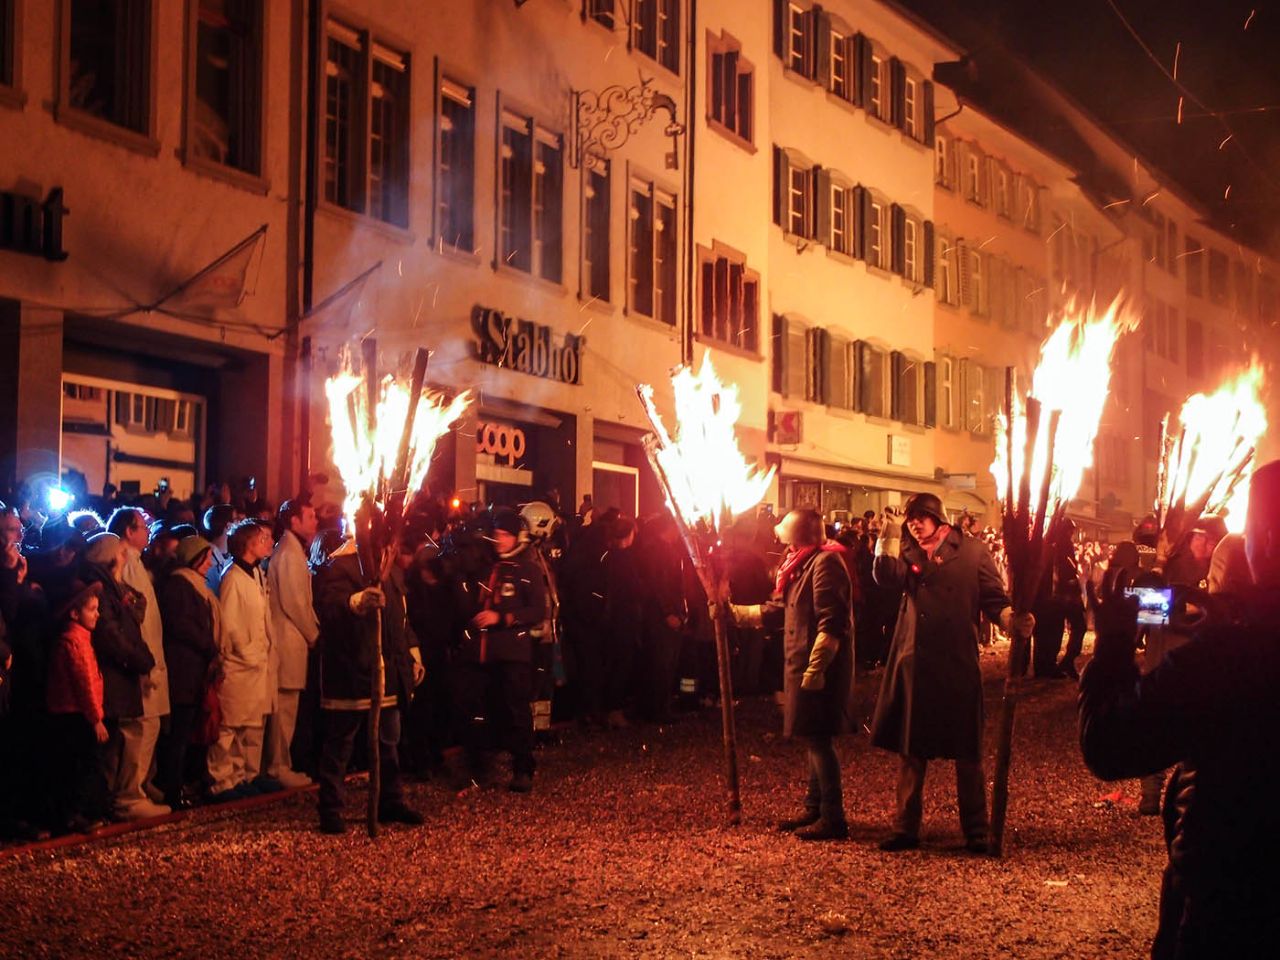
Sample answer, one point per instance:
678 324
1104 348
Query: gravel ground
620 852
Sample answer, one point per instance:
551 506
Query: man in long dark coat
814 607
930 704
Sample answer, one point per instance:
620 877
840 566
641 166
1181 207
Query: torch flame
1209 460
1073 377
366 458
708 478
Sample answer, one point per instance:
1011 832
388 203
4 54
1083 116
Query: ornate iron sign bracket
606 119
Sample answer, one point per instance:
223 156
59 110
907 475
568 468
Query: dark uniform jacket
189 644
123 656
930 703
1211 707
346 657
817 600
516 591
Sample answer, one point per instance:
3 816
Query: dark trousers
111 754
171 751
659 668
1075 634
429 722
824 795
493 702
971 793
339 729
1047 639
76 784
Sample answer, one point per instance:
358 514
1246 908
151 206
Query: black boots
806 818
824 830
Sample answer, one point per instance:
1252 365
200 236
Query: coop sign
525 346
501 440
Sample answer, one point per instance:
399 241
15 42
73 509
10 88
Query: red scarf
796 560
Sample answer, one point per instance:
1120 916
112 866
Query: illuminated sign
500 440
525 346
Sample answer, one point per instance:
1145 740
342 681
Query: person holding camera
1210 707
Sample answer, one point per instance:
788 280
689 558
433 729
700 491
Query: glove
367 600
745 615
820 657
889 543
1020 625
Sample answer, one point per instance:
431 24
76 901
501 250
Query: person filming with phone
1210 707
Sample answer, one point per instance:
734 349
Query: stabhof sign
526 346
501 441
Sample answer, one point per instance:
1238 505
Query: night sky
1084 46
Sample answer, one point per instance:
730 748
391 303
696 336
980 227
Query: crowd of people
169 652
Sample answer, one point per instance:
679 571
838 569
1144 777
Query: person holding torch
930 704
814 607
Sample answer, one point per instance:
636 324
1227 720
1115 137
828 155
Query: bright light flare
365 458
708 477
1074 378
1218 436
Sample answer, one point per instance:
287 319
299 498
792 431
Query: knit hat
102 548
191 550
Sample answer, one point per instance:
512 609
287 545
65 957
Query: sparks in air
366 457
1205 467
707 475
1074 378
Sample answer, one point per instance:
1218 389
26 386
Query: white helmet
540 518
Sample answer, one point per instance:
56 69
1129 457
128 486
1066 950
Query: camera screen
1154 604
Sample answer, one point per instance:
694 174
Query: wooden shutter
930 394
837 378
780 10
929 254
778 354
962 271
822 367
897 389
898 240
863 50
822 205
781 186
861 204
822 69
897 93
797 358
928 126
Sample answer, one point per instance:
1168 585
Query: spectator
141 734
217 523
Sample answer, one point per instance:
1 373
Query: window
978 301
365 155
788 364
799 198
731 89
225 119
973 186
799 47
1160 251
975 399
1171 262
8 44
601 11
1173 333
1030 203
910 108
456 166
1004 178
875 246
871 379
943 163
652 252
877 102
1194 266
655 31
730 299
107 60
595 227
911 249
841 219
1218 276
531 208
946 392
841 76
905 396
948 288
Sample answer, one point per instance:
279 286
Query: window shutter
811 41
780 10
897 93
837 378
778 354
929 254
898 240
962 264
862 48
930 394
797 343
860 357
986 177
862 204
822 205
781 186
897 393
822 69
928 125
822 375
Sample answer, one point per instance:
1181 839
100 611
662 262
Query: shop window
456 165
531 216
107 68
602 12
731 90
655 31
1218 277
1193 264
225 118
595 227
365 146
651 274
730 298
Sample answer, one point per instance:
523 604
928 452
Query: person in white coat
133 799
294 631
247 690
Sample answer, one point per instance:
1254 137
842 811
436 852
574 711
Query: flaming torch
707 482
1204 468
1043 446
384 436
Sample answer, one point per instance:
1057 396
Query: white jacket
293 618
155 685
247 693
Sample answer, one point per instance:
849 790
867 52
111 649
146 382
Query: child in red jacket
74 697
